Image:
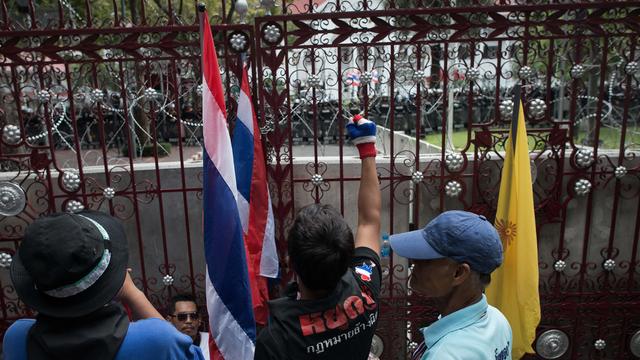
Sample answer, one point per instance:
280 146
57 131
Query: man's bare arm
369 207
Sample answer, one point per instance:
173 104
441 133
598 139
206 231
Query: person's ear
463 271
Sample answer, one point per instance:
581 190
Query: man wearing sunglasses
184 314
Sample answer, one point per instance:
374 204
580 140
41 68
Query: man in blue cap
453 258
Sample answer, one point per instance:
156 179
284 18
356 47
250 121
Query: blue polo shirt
476 332
149 339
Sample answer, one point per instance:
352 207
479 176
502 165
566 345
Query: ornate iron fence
104 114
444 75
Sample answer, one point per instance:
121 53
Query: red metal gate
443 74
79 93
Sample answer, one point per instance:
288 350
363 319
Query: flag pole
514 117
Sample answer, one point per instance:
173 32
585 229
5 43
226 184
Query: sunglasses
184 316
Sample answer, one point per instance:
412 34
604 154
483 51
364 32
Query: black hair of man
171 307
320 246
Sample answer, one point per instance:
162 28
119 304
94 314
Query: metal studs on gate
584 158
452 188
167 280
537 108
577 71
552 344
239 41
417 177
377 346
5 260
272 33
71 180
316 179
12 199
634 344
74 206
473 74
620 172
506 109
11 134
109 193
453 161
582 187
559 266
525 73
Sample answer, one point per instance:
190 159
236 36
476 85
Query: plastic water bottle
385 249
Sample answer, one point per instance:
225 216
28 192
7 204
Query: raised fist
363 134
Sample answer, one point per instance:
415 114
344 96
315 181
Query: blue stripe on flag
224 248
243 158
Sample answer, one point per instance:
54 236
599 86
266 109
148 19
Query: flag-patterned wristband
367 149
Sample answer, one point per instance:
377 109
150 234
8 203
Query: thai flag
375 78
353 78
231 321
254 202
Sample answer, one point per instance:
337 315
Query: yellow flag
514 286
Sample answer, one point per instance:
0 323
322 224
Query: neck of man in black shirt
308 294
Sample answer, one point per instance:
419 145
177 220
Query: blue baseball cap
458 235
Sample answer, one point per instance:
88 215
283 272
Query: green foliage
102 11
164 149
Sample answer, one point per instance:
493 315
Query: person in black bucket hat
72 269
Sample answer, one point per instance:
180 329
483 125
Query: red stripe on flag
210 69
258 212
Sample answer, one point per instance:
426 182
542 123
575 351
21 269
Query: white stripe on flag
243 211
236 343
218 147
244 111
269 259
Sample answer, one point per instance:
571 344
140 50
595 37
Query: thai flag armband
363 134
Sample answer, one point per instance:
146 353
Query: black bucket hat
69 265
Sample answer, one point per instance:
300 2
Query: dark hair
171 307
320 246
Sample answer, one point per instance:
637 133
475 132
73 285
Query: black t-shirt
337 327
